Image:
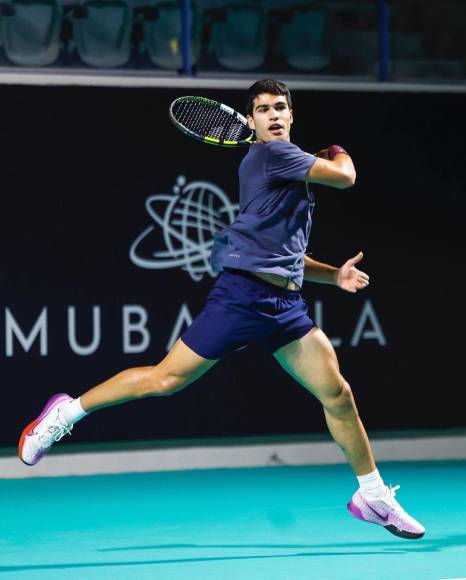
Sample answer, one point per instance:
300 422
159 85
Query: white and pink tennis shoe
49 427
386 512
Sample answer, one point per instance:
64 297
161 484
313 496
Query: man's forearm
319 272
334 168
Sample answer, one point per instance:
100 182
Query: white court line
229 456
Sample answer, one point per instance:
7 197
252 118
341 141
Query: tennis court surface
275 523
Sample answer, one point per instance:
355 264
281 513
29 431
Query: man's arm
315 271
347 277
333 167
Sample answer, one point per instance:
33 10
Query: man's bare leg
312 361
177 370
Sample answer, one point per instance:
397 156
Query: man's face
271 118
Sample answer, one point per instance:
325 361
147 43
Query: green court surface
276 523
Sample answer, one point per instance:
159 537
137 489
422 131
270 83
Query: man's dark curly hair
269 86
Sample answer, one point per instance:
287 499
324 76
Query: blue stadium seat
162 34
303 40
405 45
239 39
102 32
30 30
427 42
354 38
358 49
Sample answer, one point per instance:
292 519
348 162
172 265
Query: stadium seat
30 30
358 50
353 37
405 45
239 39
162 35
102 32
302 40
432 44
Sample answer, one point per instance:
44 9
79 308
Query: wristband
334 150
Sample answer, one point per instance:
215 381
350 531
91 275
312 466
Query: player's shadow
435 544
65 566
395 545
248 547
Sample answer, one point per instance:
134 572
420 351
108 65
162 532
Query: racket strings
210 121
196 116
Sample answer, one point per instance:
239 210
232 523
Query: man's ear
251 122
291 116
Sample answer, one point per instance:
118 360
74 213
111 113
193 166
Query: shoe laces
390 499
55 431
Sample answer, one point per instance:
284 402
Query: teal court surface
274 523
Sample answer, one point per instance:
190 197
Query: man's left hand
351 279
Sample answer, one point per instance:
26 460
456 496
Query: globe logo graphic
183 227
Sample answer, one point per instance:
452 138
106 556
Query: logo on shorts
183 228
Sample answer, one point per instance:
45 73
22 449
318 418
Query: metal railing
384 42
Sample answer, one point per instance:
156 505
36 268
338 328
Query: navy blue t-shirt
271 232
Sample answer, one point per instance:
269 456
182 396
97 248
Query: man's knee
340 402
158 382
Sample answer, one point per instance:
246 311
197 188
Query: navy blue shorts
243 309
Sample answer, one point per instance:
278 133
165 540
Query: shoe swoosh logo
31 431
383 518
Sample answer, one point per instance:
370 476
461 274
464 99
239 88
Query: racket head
211 122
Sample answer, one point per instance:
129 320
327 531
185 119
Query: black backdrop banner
107 218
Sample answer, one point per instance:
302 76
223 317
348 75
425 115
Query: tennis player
256 298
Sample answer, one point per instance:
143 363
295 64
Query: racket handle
334 150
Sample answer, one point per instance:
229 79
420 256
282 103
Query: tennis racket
210 122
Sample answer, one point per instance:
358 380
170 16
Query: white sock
72 411
372 486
